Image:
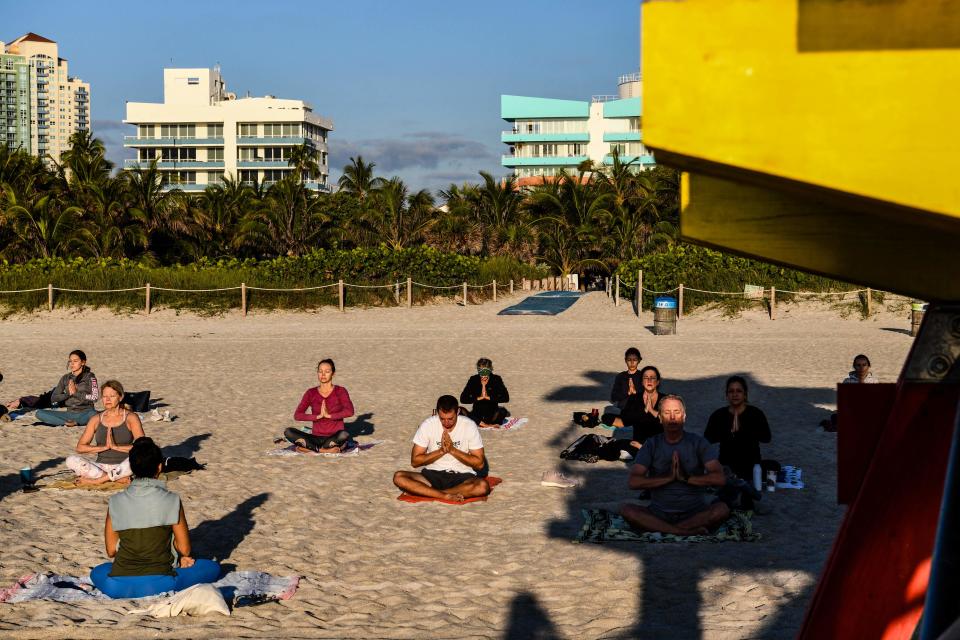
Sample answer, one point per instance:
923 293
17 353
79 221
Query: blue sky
412 85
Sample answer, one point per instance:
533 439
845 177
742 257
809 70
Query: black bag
588 448
178 463
138 401
42 401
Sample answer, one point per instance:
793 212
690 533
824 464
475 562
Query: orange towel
491 480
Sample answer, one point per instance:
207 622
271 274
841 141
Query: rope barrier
822 293
367 286
430 286
325 286
98 290
667 291
23 290
153 288
719 293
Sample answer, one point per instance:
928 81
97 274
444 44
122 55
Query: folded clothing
491 480
508 425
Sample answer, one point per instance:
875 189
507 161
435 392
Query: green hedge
371 266
702 268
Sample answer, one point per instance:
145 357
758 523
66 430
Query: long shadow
361 425
672 574
188 447
906 332
10 483
218 539
528 620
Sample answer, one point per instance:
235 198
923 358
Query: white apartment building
41 106
201 133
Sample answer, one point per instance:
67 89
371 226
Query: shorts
443 480
673 517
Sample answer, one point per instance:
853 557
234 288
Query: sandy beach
375 567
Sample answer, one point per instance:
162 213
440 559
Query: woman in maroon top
325 405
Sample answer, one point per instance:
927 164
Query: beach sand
377 567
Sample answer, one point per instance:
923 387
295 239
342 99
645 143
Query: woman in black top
485 391
739 428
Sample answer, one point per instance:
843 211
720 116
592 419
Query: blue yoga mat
548 303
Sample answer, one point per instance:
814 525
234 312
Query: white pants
91 470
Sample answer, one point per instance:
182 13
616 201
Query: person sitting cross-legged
448 447
677 467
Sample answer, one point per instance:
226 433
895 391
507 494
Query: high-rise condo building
41 106
201 134
549 135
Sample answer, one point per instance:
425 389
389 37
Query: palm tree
108 230
290 221
500 212
85 161
398 218
303 159
41 226
358 179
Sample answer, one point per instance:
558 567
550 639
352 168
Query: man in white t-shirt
449 448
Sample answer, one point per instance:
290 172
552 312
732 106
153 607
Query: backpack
138 401
588 448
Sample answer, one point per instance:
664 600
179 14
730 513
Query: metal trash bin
665 316
916 316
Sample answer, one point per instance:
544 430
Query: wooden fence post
511 286
146 304
680 302
616 294
464 294
396 292
243 298
639 292
409 293
340 293
869 302
49 297
773 303
494 290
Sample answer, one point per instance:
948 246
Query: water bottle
757 478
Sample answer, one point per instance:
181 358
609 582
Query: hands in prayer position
483 388
631 388
677 470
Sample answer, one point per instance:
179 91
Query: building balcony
512 136
542 161
644 160
184 187
174 164
623 136
313 185
135 142
252 142
263 164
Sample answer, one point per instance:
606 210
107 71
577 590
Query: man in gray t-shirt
676 466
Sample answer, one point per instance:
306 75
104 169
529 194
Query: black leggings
487 412
316 443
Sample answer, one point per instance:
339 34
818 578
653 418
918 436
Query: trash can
916 316
665 316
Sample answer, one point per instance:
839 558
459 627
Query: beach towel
491 480
237 587
291 450
600 525
69 483
510 424
790 477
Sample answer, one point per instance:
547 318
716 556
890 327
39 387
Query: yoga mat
491 480
510 424
548 303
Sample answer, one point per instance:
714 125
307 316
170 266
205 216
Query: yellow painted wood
912 255
859 97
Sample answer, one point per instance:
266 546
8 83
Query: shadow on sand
10 483
361 425
188 447
218 539
672 574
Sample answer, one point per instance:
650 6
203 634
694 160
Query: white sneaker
155 416
557 479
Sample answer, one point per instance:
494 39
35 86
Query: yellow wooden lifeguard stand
825 135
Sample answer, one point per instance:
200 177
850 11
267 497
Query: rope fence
463 290
755 293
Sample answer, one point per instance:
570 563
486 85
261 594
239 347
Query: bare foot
83 481
453 497
304 449
70 423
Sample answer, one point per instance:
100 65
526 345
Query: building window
214 177
276 153
247 129
178 131
281 130
145 131
215 154
215 130
248 154
248 176
273 175
193 81
180 177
